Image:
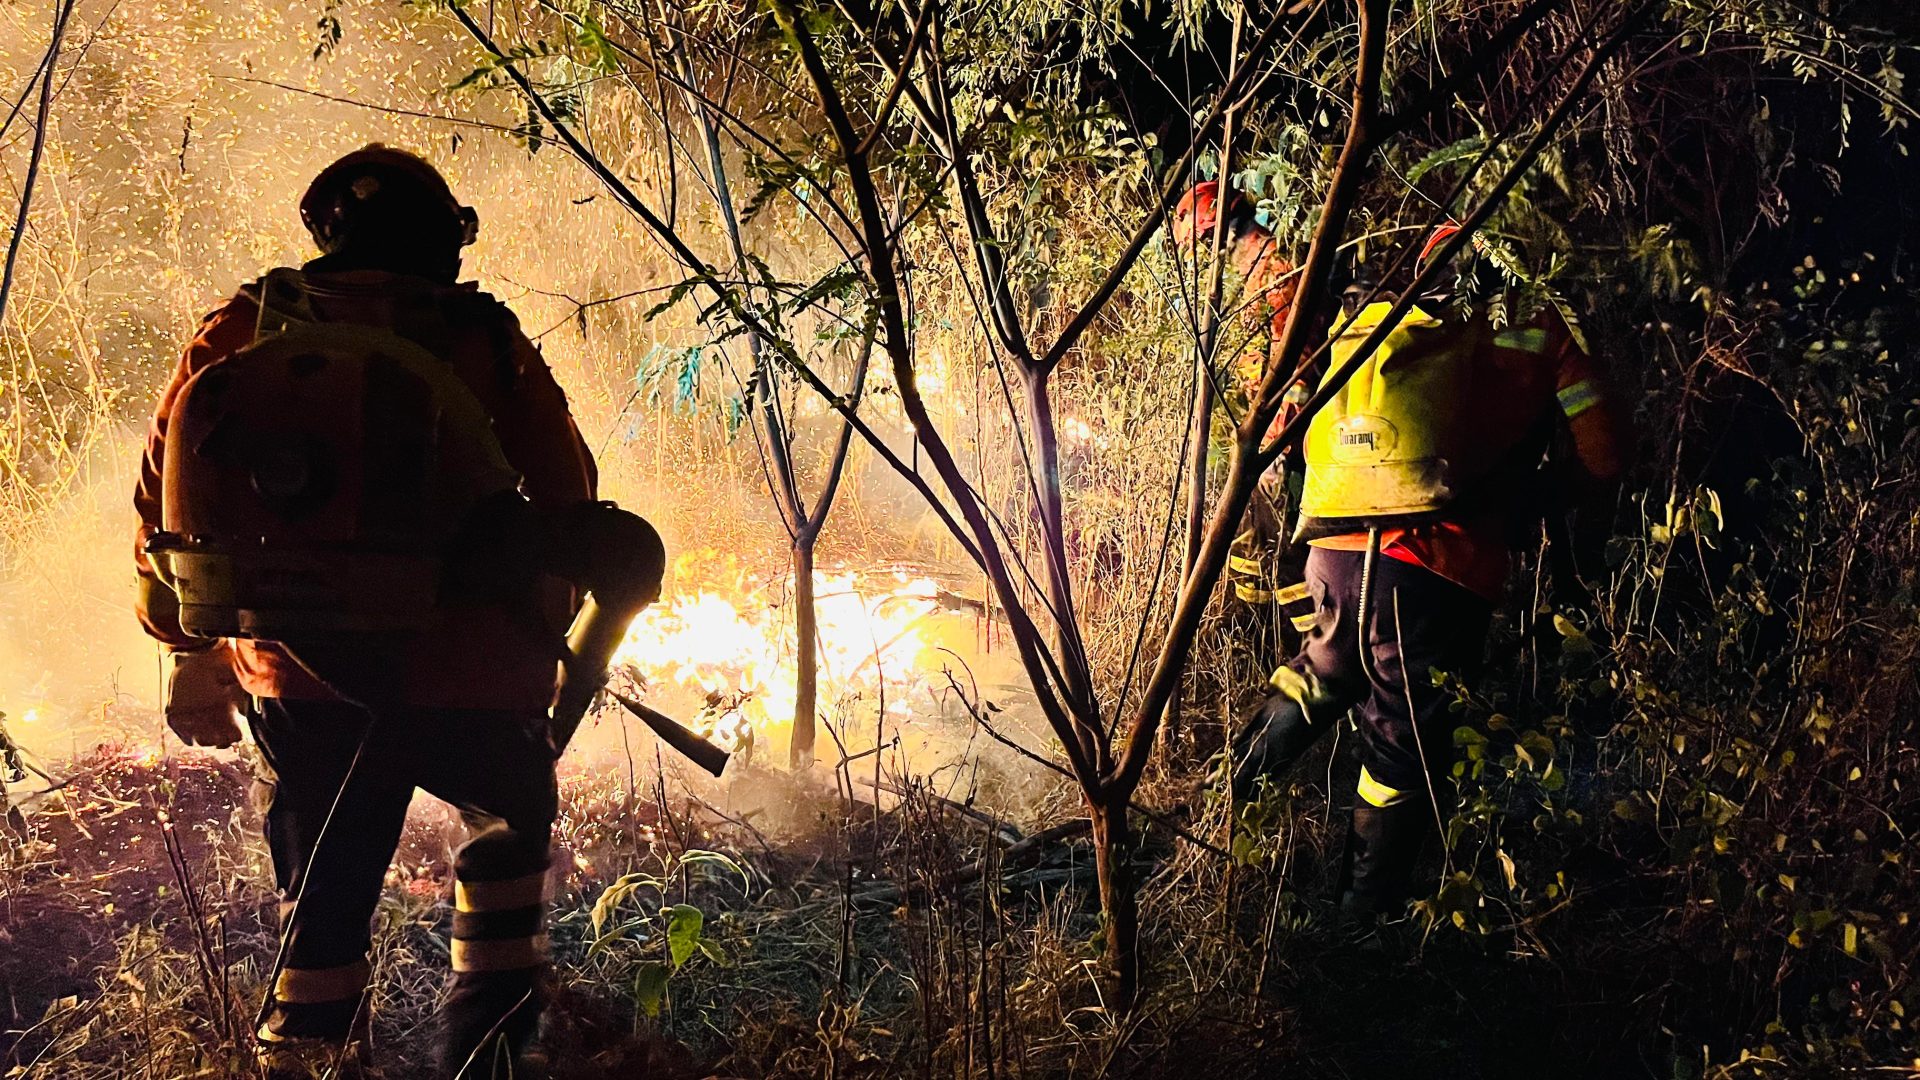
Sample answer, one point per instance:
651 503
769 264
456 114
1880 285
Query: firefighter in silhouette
1422 472
362 501
13 770
1265 572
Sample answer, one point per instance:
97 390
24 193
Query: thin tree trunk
1119 903
1200 436
784 482
806 685
1052 510
1200 429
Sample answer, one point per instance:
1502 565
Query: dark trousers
323 758
1417 622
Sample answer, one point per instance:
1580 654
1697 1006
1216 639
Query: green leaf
650 987
1539 744
1633 807
1466 736
684 922
592 39
674 296
619 933
736 414
1446 155
1245 848
703 857
617 894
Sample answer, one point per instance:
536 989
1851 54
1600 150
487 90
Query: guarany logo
1363 438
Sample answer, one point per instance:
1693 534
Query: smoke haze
181 136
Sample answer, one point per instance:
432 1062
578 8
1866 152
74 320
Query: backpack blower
330 486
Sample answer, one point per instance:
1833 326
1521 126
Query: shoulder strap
283 303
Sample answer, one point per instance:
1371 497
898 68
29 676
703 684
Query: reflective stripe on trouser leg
315 1002
499 953
500 925
1578 398
1531 339
1376 793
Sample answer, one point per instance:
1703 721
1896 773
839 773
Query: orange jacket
1532 369
1264 301
498 659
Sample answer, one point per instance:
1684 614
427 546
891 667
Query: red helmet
378 185
1199 211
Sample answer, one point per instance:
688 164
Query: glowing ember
723 644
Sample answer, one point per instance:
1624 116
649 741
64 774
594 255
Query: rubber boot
501 979
314 1059
489 1021
1383 843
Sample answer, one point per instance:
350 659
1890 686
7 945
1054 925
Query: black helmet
380 197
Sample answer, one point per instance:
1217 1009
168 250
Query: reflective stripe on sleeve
1240 564
500 895
1577 398
1532 339
1304 623
1252 594
1377 793
1295 592
316 986
503 955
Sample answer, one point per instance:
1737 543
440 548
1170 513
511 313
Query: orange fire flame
722 646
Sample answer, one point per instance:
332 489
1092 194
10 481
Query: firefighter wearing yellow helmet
1418 471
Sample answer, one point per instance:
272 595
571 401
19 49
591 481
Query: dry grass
846 952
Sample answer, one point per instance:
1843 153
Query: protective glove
205 703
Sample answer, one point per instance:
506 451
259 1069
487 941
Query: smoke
169 179
181 137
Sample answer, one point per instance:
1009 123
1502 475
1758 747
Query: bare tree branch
705 275
1042 668
1426 100
60 17
1343 194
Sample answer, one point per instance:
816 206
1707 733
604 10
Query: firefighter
466 707
1264 572
13 770
1421 472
